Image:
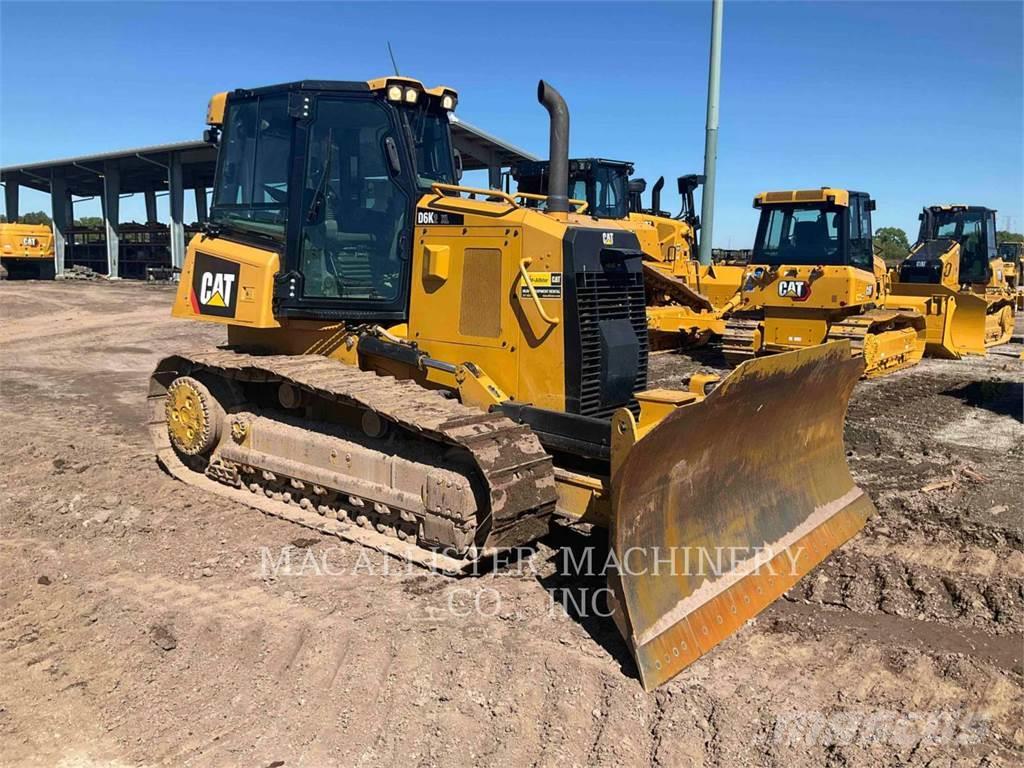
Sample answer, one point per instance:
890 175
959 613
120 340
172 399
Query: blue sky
915 102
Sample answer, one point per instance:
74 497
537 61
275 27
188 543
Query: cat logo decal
214 286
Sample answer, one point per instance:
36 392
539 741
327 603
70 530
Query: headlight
448 102
411 94
394 93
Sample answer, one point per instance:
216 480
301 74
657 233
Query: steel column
150 195
707 203
61 213
201 212
112 215
11 189
177 200
494 177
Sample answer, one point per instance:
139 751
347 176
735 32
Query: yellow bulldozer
437 371
684 297
26 251
813 277
955 264
1012 254
672 315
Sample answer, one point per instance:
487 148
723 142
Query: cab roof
535 167
958 207
830 195
215 111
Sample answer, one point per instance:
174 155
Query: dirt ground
140 622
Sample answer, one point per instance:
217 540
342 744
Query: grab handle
523 264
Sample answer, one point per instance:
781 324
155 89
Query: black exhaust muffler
558 147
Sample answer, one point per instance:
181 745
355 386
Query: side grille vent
608 296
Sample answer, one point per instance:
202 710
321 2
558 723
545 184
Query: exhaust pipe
558 147
656 196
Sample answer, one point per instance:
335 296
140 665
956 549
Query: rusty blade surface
727 503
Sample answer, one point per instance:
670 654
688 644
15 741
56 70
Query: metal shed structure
173 169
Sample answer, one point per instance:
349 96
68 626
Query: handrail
440 189
523 264
581 205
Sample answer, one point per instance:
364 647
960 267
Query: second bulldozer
685 298
955 276
813 277
1012 254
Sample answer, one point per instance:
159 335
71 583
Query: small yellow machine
26 251
929 280
1012 254
955 256
436 376
813 277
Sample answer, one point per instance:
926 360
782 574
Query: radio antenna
392 55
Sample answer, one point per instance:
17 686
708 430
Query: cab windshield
968 229
431 139
1010 251
796 234
605 190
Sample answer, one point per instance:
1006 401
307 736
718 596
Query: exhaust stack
558 147
656 195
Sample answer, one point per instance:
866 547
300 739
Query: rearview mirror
458 166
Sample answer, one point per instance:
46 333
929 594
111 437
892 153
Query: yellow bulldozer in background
814 277
1012 254
436 375
955 260
685 298
671 316
26 251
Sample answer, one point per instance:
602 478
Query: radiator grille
608 296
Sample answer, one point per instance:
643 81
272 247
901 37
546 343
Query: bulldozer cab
328 175
973 227
826 227
603 184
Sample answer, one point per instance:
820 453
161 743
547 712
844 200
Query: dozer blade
726 503
955 321
967 329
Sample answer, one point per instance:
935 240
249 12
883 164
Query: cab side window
251 191
860 233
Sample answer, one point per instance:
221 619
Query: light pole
707 203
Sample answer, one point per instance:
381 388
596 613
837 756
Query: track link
889 340
738 341
512 473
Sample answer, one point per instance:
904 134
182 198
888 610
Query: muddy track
142 625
